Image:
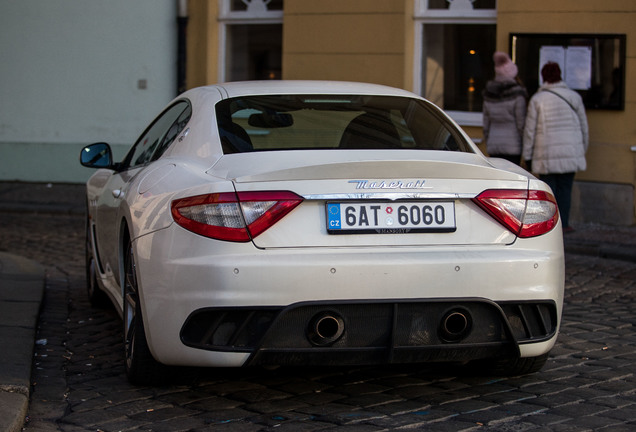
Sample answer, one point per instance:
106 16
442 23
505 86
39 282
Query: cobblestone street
589 382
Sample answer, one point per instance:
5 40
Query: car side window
173 132
159 135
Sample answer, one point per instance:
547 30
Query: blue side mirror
98 155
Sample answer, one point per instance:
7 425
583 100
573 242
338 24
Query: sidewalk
22 283
21 290
42 198
602 241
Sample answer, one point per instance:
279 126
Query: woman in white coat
556 137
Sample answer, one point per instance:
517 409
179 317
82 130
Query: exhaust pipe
325 328
455 325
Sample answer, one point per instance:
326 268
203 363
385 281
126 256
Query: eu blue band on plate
333 216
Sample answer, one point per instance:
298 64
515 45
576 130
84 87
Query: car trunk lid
413 185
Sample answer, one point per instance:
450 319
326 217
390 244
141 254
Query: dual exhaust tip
325 328
455 326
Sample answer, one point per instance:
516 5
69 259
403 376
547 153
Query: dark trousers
516 159
561 185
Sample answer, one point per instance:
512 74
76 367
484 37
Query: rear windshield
310 122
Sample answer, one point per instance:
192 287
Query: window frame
423 16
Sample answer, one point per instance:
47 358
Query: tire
141 367
96 296
511 367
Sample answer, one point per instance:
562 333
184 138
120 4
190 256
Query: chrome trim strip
389 196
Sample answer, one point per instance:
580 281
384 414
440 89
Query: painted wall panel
82 71
379 69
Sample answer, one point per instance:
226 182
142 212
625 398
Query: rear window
310 122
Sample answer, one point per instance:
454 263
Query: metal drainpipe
182 24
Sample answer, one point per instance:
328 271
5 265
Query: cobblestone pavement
589 382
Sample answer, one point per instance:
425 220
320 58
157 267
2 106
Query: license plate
390 217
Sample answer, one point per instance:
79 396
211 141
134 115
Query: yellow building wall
373 41
352 40
202 43
612 133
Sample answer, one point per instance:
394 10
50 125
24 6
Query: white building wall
74 72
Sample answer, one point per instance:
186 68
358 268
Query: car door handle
117 193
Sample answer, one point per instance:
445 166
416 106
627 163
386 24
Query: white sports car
320 223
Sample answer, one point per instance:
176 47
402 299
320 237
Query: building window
251 40
460 4
457 64
259 6
455 40
254 51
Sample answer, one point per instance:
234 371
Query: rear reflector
525 213
230 216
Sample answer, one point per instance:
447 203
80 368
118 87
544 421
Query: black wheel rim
90 263
131 299
91 283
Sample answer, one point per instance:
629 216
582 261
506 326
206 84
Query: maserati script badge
389 184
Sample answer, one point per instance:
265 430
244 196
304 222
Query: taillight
230 216
525 213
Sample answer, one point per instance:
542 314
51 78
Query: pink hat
504 67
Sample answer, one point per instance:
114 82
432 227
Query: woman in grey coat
556 137
504 110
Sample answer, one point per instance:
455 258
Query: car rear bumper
361 285
373 332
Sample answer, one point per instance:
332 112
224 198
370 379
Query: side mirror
98 155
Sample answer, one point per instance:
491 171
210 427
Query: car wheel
96 296
141 367
511 367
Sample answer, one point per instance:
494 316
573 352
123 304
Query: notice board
591 64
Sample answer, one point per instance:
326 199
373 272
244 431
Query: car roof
244 88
